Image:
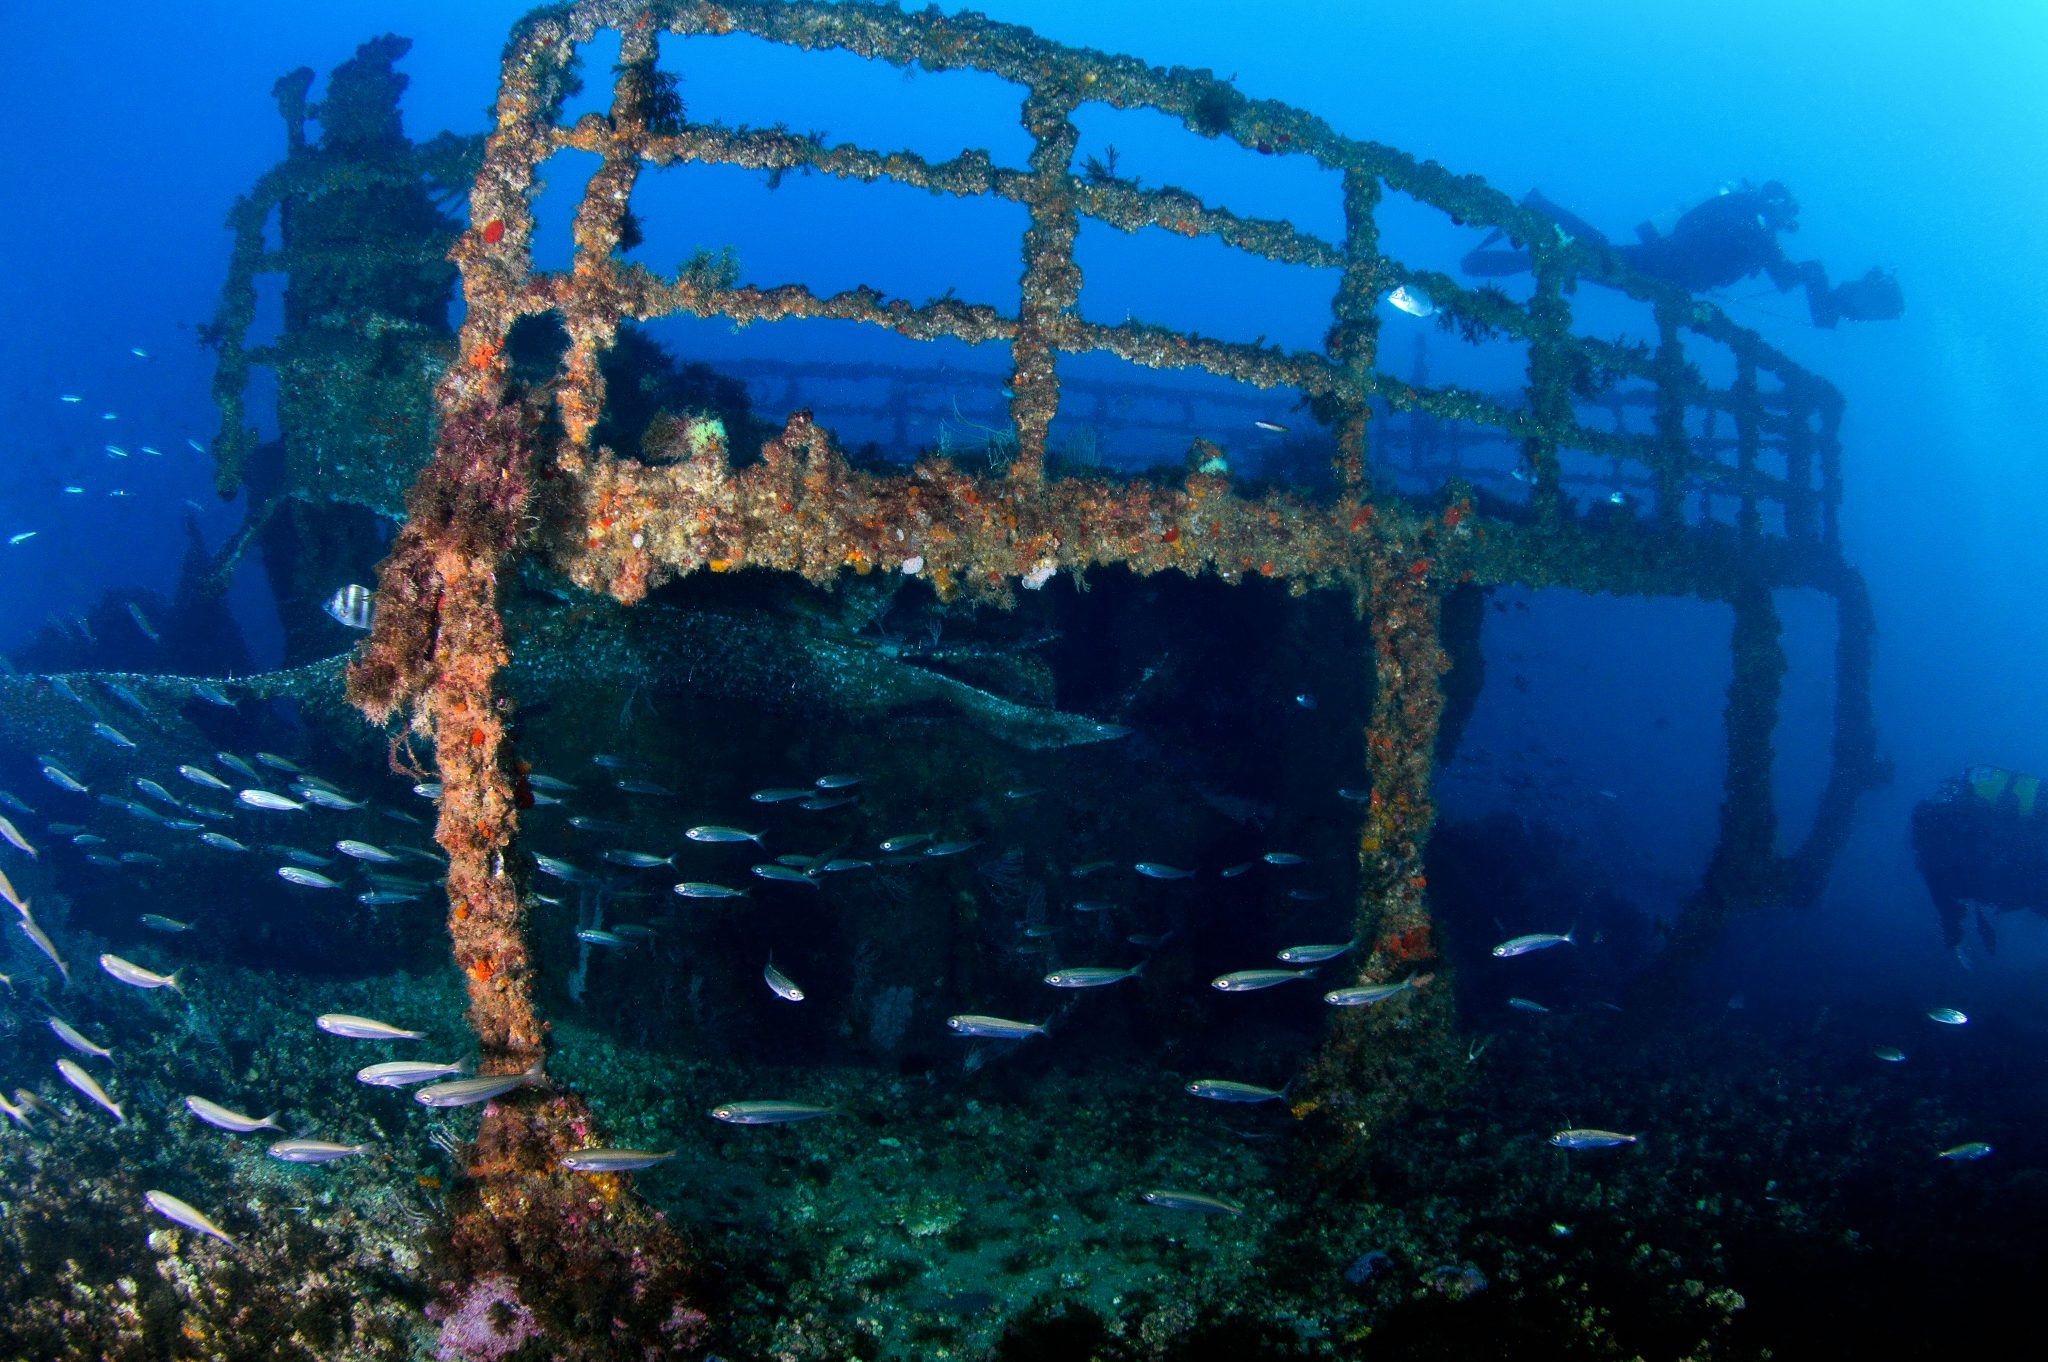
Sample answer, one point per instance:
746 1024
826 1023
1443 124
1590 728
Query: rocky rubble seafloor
995 1213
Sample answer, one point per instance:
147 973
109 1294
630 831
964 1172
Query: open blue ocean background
1911 134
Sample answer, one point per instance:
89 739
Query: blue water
1910 137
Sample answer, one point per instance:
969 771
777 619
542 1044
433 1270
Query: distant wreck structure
1722 491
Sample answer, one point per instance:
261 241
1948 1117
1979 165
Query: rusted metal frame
1354 333
622 527
973 174
1672 449
1051 286
1748 411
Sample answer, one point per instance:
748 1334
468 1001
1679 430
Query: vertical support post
1829 446
1671 444
580 393
1749 415
1379 1059
1355 332
1799 497
1550 397
1052 281
1744 867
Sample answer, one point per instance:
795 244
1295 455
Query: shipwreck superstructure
1617 468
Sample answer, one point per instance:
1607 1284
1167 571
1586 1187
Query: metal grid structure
515 471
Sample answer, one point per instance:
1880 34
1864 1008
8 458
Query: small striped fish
354 606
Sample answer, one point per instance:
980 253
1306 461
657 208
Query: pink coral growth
486 1324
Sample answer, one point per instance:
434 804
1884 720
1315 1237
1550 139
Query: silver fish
140 858
384 898
237 765
1252 980
1199 1202
1283 858
312 860
715 833
313 1151
1224 1090
1231 872
1155 870
16 803
113 735
72 1037
8 892
214 1114
309 879
561 870
598 936
158 792
1314 955
838 782
541 782
1087 868
614 1160
183 824
467 1092
364 851
353 606
141 622
213 695
779 795
1365 995
62 778
157 922
781 985
45 945
1270 427
1412 301
1535 941
952 848
840 864
1090 976
1966 1153
1589 1138
768 1113
1526 1005
326 798
638 860
184 1213
83 1081
644 787
14 838
363 1028
782 874
905 842
704 889
1947 1016
221 841
137 976
1890 1054
585 823
403 1073
266 799
277 763
820 803
994 1028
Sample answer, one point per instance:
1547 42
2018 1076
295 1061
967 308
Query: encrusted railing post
1376 1056
1744 864
1749 418
1672 446
600 1271
1052 281
1355 333
1550 368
